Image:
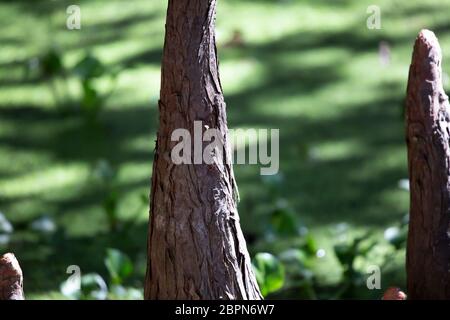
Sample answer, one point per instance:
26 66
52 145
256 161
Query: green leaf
119 265
269 272
110 204
345 253
310 245
89 67
91 100
51 63
284 222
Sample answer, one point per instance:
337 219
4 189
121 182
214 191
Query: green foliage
50 67
88 70
51 64
347 252
310 244
284 222
300 277
269 272
119 266
105 176
92 286
110 205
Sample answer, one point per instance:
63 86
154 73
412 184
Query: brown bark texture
11 279
427 137
196 249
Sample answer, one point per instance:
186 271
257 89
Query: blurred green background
78 121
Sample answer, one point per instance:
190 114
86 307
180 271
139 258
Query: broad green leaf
51 63
89 67
119 265
345 253
284 222
310 245
269 272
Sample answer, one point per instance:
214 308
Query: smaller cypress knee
427 138
11 279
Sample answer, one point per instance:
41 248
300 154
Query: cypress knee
196 249
427 137
11 279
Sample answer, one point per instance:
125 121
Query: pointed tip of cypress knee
427 36
427 40
425 78
11 278
427 138
427 54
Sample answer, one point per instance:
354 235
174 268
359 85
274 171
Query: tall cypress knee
427 137
196 248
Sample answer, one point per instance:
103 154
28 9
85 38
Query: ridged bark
196 246
427 136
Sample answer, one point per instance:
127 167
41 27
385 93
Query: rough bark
11 279
196 247
427 136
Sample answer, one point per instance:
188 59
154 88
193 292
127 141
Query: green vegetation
78 121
